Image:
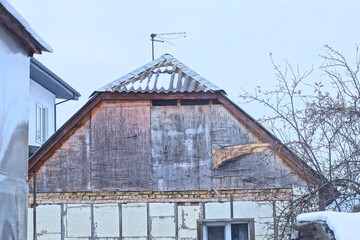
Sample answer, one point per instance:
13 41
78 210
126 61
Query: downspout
55 109
231 206
34 204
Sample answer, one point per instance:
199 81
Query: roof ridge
114 85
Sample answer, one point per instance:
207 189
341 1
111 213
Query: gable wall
131 145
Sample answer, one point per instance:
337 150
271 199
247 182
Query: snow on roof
345 226
25 25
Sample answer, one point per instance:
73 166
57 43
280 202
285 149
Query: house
162 153
45 88
18 43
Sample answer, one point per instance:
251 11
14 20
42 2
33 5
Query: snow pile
345 226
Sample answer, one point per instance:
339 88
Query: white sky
227 42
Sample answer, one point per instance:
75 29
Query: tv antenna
163 37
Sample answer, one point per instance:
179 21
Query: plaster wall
106 221
162 220
136 220
14 118
187 221
77 221
40 95
262 212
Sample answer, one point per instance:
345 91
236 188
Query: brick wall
171 196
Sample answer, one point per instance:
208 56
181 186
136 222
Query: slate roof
163 75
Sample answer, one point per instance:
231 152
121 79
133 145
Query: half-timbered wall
133 146
141 221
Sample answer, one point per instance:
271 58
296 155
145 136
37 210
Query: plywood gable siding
226 130
181 147
254 170
68 169
131 145
120 146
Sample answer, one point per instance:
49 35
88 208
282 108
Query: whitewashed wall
134 221
39 94
14 118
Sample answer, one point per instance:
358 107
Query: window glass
41 124
216 233
239 231
38 124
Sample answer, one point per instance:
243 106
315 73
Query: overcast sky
227 42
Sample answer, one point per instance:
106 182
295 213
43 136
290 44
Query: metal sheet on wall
14 117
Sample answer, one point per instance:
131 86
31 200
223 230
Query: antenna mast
163 39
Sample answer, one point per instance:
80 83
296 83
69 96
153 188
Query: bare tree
320 122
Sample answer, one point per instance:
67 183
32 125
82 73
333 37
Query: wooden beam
223 155
22 36
157 96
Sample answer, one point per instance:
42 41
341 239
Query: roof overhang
13 21
50 81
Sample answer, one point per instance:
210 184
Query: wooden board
224 154
68 169
181 147
120 146
127 145
250 171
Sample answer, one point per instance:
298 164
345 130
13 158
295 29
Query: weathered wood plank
227 130
181 147
260 169
120 146
69 167
129 145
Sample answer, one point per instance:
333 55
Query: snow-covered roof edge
165 57
21 21
344 225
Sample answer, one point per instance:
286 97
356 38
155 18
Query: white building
27 114
45 88
18 43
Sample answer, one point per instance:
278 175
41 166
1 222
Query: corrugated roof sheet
163 75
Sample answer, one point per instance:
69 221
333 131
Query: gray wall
133 146
14 92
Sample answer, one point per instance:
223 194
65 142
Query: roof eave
14 22
51 81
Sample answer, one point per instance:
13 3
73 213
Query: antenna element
163 39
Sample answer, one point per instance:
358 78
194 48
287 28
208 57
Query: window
228 229
41 124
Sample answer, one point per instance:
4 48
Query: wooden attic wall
131 145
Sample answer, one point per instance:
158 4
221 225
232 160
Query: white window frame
40 139
226 223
